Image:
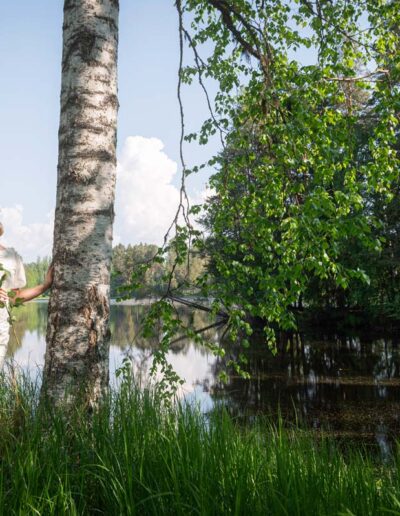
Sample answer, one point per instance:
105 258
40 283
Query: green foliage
127 261
309 153
14 300
138 456
294 183
143 270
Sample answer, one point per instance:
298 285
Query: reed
138 456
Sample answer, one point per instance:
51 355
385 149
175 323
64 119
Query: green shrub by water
139 457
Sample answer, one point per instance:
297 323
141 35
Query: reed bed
137 455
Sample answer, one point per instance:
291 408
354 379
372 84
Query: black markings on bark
110 100
99 155
99 64
102 81
78 178
88 215
108 20
83 43
67 257
88 127
80 99
74 99
69 4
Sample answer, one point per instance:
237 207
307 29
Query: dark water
346 385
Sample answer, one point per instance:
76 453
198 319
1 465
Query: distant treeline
36 271
125 261
153 281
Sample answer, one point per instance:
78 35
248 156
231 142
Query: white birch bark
78 335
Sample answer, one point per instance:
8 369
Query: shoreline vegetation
313 319
331 308
309 319
138 455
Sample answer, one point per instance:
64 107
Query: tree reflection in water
126 341
347 384
30 318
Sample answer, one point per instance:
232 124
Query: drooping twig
201 330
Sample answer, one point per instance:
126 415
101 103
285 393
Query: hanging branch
199 63
228 12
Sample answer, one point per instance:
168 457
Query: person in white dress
15 281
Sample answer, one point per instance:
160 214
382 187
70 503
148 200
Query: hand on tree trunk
48 280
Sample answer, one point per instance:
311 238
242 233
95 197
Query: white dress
12 262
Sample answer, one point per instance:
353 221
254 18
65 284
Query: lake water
347 385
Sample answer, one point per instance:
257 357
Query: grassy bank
138 457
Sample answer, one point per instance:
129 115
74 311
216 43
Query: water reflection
191 362
346 384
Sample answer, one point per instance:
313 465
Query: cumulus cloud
29 239
146 199
145 205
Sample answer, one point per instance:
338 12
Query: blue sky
30 60
148 125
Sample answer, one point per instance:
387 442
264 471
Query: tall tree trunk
77 353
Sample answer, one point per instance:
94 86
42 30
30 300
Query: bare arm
26 294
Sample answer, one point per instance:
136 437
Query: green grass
137 456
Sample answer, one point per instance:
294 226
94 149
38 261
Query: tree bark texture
77 352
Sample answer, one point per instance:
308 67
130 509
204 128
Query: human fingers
49 276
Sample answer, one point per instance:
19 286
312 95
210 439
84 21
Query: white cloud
146 199
29 239
146 202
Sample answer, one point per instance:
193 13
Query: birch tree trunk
77 352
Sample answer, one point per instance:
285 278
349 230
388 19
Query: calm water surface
347 385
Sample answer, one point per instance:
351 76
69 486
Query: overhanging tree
291 191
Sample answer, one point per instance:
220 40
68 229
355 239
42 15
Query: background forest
126 260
